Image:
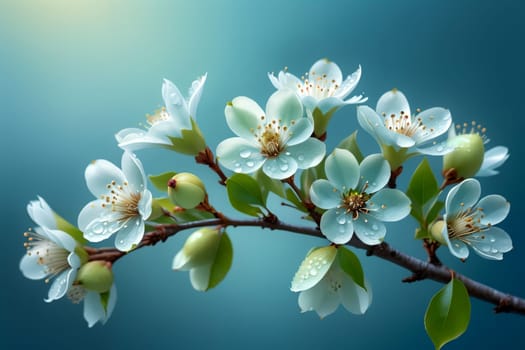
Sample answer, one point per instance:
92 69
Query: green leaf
423 185
421 233
308 176
292 198
350 264
160 181
104 300
433 212
188 215
350 144
223 261
321 120
268 185
448 313
245 194
67 227
191 141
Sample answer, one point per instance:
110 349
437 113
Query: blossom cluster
349 197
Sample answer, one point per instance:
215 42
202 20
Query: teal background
72 73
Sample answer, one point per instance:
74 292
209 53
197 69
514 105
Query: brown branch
206 157
424 269
306 202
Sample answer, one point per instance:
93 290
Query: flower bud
200 249
436 231
95 276
467 156
186 190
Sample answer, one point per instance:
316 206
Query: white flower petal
97 223
176 105
99 174
494 209
354 298
243 115
280 167
112 301
239 155
492 159
373 124
349 84
325 69
62 239
324 195
284 106
145 205
60 285
181 262
490 244
130 234
31 268
337 226
299 132
93 309
308 153
436 120
195 95
321 298
393 102
329 103
369 230
200 277
41 213
313 268
342 169
389 205
133 172
375 173
462 196
435 149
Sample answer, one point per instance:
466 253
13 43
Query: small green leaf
268 185
245 194
308 176
223 261
448 313
350 264
321 120
292 198
350 144
67 227
191 141
104 300
423 185
421 233
433 212
160 181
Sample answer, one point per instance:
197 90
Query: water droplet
373 184
494 250
284 166
98 229
300 157
375 227
313 272
287 153
250 163
439 148
121 241
492 240
245 153
485 249
341 220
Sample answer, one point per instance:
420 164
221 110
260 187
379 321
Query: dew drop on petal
245 153
439 148
494 250
341 220
250 163
492 240
284 167
300 157
485 249
313 272
375 227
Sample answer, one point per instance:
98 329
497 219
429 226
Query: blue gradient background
72 73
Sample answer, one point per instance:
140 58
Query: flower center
466 223
52 256
158 116
318 86
122 200
354 202
403 124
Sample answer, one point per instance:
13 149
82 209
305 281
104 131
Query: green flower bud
467 156
95 276
436 231
186 190
201 246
